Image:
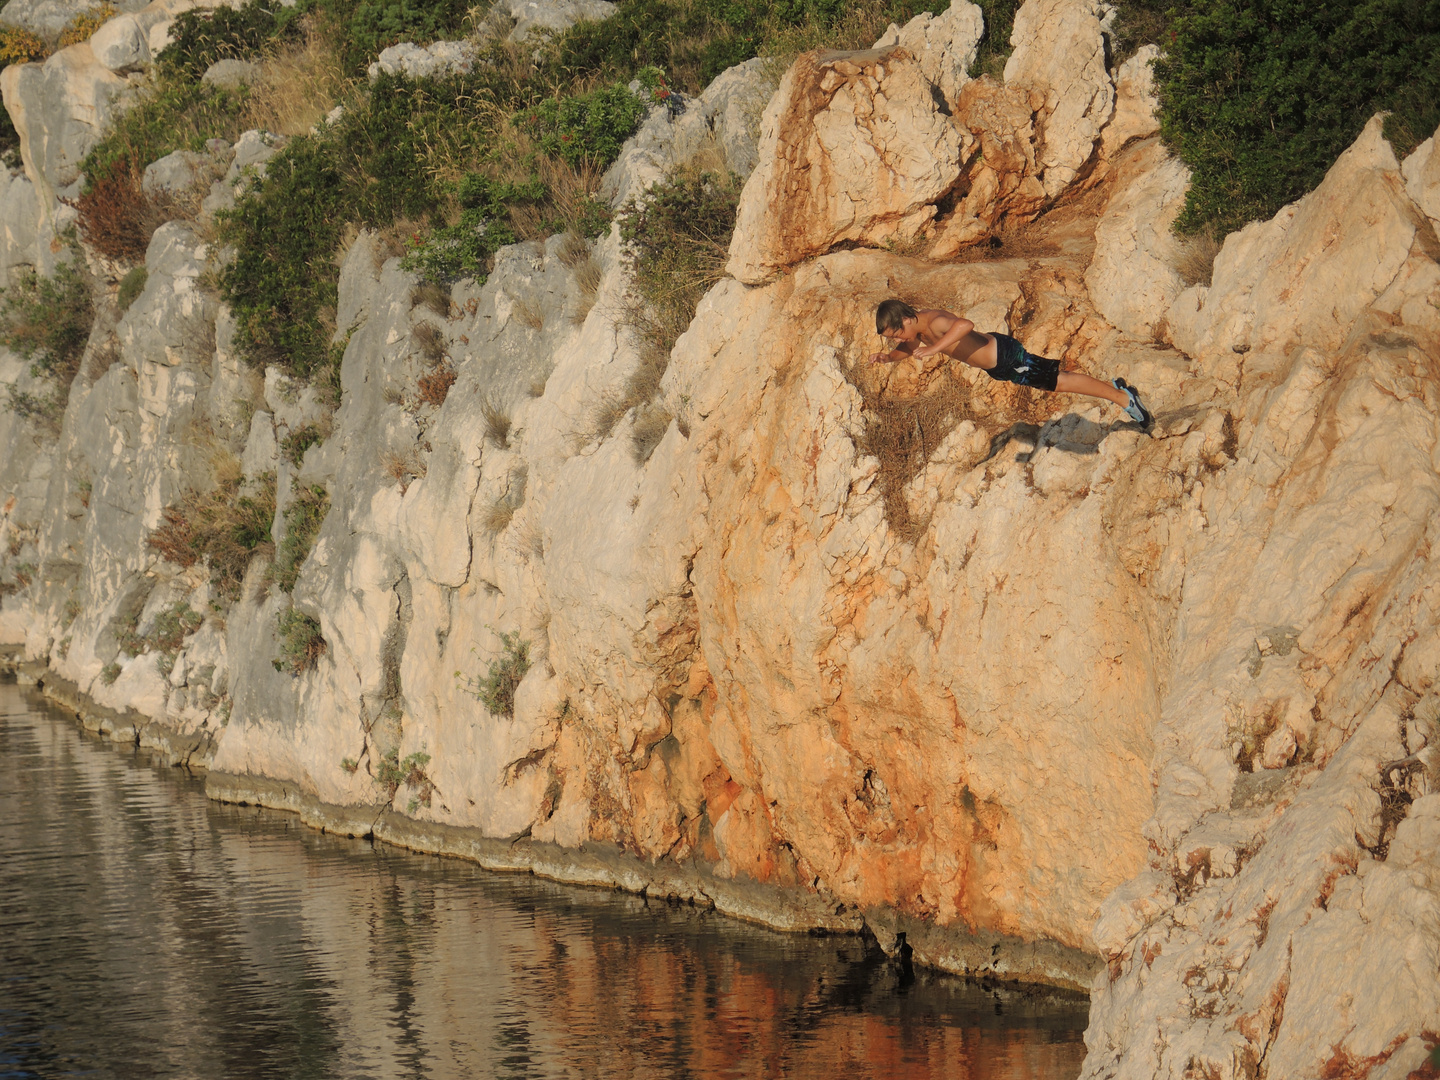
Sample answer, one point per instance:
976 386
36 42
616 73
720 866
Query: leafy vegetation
46 320
86 23
223 527
20 46
131 286
301 642
109 673
677 240
496 689
303 518
1259 97
391 772
296 441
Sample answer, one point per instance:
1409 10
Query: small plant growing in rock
496 689
46 320
172 626
497 422
303 518
63 649
435 387
109 673
24 574
301 642
131 286
298 440
349 764
431 340
20 46
393 772
222 527
432 295
83 490
83 25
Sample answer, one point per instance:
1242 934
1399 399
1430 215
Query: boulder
853 148
516 20
944 44
121 45
1132 276
48 17
60 108
1421 171
231 74
1000 179
1137 107
1059 58
434 61
178 174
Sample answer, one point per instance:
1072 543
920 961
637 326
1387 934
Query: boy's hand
880 358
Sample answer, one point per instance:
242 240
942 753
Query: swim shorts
1014 364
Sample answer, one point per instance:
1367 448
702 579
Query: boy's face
907 332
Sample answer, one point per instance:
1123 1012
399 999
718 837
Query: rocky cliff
1057 699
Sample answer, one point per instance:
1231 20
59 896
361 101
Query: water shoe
1134 410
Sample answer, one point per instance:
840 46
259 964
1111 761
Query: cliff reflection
147 932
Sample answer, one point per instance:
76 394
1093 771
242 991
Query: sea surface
147 932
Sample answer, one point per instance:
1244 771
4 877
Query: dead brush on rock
432 295
300 82
435 387
117 218
402 468
497 421
528 314
652 421
430 340
1195 258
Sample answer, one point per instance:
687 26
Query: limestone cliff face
1055 698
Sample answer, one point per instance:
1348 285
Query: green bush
587 127
301 643
109 673
303 518
168 115
200 38
297 441
464 248
1259 97
131 286
46 320
496 689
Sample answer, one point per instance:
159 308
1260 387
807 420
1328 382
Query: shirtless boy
924 335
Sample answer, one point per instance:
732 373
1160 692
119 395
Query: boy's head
890 316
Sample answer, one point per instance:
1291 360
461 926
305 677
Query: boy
925 334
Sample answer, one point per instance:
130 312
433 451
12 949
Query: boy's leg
1072 382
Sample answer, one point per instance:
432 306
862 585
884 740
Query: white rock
230 74
944 44
1060 55
434 61
121 45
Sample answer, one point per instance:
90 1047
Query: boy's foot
1134 410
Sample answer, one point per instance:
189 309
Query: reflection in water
147 932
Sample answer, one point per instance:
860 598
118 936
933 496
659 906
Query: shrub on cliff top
1259 97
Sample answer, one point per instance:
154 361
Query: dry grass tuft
393 395
497 422
496 518
527 313
299 83
573 250
651 423
431 340
1195 260
402 469
117 218
537 388
103 356
431 295
588 276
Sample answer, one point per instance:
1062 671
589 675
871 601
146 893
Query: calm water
147 932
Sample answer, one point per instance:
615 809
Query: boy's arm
903 351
